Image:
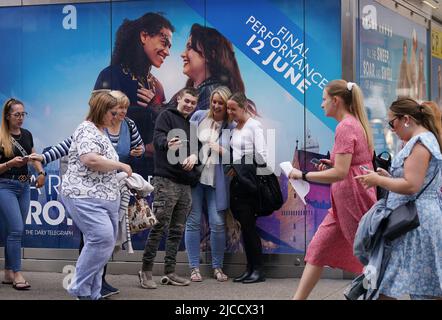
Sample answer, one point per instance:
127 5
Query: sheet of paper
301 187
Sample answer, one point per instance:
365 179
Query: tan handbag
140 216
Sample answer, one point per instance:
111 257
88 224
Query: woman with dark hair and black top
139 45
247 141
209 62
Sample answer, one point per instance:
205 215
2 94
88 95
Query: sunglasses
114 113
391 122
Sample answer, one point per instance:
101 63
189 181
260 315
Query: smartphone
26 157
317 162
365 168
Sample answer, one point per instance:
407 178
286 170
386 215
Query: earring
406 125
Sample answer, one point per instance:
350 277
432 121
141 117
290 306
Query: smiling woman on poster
209 62
139 45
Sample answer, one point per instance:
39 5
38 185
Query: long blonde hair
353 100
5 133
224 93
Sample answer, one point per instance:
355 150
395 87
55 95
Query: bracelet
304 176
42 173
6 165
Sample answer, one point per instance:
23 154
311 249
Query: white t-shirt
79 180
248 139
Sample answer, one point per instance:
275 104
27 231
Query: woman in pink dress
332 245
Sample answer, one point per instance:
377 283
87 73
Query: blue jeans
15 198
192 238
98 221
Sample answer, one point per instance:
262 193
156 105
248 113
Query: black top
170 119
116 77
26 141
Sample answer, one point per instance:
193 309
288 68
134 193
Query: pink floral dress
332 245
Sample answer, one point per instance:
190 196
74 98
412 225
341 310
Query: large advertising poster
392 62
57 54
436 63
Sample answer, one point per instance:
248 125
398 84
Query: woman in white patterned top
90 193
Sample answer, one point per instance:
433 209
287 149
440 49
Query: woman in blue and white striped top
123 134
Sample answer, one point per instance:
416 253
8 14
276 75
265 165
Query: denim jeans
15 198
98 221
192 237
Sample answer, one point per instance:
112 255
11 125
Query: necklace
18 136
146 81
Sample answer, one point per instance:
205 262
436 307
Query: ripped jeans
171 205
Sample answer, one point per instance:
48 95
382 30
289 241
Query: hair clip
350 85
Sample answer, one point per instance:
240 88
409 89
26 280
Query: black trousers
243 208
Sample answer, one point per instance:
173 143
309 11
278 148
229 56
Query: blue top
222 181
415 266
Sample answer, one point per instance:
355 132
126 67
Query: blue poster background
392 58
53 70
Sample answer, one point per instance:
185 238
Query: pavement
49 286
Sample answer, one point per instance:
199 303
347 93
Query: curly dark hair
219 54
128 50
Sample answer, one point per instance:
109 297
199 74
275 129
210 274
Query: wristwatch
304 173
42 173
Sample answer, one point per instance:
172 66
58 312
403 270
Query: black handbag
382 160
269 195
404 218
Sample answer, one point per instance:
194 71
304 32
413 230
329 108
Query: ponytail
353 99
424 114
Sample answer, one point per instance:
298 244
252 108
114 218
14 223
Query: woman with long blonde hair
16 144
212 124
332 245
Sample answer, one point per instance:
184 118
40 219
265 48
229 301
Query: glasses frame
391 122
18 115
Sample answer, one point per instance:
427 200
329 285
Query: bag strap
18 146
422 191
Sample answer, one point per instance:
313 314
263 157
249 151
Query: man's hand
189 162
174 143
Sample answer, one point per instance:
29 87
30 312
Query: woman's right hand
36 157
383 172
325 164
18 162
126 168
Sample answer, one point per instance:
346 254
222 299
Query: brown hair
220 57
244 103
353 100
423 114
5 133
100 103
436 110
